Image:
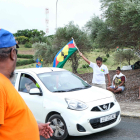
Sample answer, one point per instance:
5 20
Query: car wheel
59 127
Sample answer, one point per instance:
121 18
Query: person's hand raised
45 130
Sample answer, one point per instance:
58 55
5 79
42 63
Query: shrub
28 45
25 62
22 39
104 59
25 56
85 66
107 55
38 39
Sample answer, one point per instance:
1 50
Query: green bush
85 66
38 39
28 45
107 55
25 62
22 39
25 56
104 59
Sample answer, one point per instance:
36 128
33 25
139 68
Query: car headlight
76 105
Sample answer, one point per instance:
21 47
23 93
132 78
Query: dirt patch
132 84
30 52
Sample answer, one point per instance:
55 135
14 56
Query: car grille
103 107
95 123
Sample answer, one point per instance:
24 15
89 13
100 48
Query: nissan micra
71 105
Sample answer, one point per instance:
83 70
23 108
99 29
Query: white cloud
30 14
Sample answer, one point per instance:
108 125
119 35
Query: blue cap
6 39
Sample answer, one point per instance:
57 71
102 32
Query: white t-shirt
99 73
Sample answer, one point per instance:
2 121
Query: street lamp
56 13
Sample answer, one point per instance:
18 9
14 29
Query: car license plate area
107 118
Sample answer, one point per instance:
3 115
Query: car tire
59 127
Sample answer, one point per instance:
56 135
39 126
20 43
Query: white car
71 105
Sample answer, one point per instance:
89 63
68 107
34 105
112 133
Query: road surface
128 129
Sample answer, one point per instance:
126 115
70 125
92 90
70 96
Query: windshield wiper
60 91
74 89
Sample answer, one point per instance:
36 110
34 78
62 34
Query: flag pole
75 45
78 50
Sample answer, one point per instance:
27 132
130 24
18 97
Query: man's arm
108 77
84 58
121 83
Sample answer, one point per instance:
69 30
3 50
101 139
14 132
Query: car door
35 102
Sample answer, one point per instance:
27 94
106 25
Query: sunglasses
9 51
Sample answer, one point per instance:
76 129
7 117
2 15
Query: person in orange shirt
16 120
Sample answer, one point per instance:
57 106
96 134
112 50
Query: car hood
86 95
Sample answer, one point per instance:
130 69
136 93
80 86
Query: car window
27 82
62 81
13 79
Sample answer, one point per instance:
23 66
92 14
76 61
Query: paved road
128 129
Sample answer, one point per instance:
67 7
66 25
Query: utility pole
47 20
56 13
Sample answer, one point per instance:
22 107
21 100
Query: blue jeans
122 87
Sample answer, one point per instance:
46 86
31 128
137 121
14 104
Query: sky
31 14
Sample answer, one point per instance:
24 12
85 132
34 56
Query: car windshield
62 81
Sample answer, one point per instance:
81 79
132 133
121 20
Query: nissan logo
105 107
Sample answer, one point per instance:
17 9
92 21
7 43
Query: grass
27 66
22 48
20 59
91 56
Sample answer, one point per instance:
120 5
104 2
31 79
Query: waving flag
64 54
39 63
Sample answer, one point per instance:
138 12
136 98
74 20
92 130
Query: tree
125 55
123 19
22 39
119 26
63 36
45 51
29 33
100 33
39 39
94 26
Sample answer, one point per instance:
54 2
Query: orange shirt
16 119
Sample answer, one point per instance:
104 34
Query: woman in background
118 84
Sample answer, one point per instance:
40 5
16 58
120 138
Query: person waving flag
64 54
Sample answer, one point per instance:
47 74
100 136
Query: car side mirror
35 91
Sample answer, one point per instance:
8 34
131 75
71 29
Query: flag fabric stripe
61 64
54 62
71 42
64 54
71 46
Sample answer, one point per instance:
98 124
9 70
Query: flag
64 54
39 63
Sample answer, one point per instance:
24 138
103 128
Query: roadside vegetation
118 27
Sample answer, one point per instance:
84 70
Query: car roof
40 70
